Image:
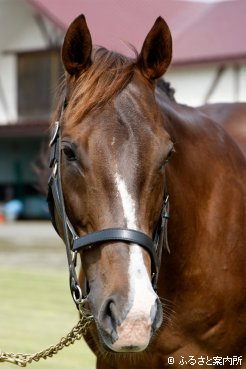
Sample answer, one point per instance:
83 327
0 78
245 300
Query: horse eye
69 153
169 155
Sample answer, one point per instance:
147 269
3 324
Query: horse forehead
128 120
135 100
132 114
121 122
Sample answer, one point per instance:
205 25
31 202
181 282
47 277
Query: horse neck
201 180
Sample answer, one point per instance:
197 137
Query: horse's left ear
156 53
77 47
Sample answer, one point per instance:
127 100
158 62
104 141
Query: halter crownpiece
74 243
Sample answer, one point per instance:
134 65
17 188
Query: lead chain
74 335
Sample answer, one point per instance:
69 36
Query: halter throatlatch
74 243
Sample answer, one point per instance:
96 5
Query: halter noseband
74 243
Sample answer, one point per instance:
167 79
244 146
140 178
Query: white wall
193 82
19 32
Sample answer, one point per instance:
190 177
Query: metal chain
74 335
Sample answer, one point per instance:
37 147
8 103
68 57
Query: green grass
36 310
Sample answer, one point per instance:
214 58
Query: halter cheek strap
74 243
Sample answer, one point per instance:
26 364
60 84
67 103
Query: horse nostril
110 312
108 319
156 315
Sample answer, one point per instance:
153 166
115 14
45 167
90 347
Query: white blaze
136 328
127 203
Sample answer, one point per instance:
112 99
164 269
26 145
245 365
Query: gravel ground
29 243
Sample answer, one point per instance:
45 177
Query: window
38 77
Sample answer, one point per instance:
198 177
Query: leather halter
74 243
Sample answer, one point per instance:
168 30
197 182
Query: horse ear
77 47
156 53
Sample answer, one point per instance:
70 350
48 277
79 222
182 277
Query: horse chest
198 337
200 329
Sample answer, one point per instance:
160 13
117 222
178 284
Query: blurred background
209 65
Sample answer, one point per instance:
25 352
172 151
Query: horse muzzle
128 329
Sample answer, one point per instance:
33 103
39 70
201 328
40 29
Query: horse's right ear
77 47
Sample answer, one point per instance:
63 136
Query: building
209 63
30 70
209 52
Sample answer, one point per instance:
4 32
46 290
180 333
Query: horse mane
166 88
109 73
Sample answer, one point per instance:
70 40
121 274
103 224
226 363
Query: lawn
36 310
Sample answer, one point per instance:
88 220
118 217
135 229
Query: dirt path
33 244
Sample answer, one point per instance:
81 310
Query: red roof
202 32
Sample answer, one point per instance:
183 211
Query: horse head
113 153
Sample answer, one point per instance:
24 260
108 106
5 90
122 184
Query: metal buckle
165 210
77 294
54 171
55 133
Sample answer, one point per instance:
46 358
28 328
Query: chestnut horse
232 116
117 132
